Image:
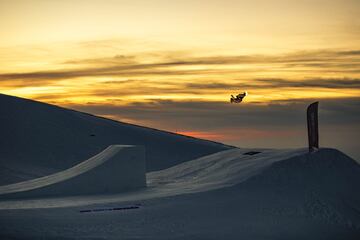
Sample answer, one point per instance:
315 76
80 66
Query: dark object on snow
135 206
313 128
251 153
238 98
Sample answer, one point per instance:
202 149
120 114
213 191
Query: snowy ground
214 171
276 194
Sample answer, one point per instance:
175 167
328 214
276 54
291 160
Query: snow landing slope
39 139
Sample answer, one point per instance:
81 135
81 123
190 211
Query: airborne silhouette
238 98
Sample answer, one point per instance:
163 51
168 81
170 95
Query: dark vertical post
313 128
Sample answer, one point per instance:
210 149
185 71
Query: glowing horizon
166 45
133 60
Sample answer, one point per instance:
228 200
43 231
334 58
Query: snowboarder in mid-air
238 98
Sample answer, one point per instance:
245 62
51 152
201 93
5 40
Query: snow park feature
203 190
116 169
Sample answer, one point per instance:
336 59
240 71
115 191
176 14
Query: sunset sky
172 65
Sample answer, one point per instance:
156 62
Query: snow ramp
116 169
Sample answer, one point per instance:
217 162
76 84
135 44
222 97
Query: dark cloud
316 57
217 85
121 71
216 115
337 66
17 83
268 83
312 83
338 61
349 53
117 59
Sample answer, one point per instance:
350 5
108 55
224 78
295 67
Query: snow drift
39 139
116 169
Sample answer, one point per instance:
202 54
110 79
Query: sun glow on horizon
130 59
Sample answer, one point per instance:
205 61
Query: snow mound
53 139
218 170
326 169
323 185
116 169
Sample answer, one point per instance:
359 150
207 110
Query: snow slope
113 170
220 170
39 139
276 194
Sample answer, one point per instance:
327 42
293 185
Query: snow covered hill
39 139
237 193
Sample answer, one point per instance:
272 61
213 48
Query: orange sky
122 54
102 46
